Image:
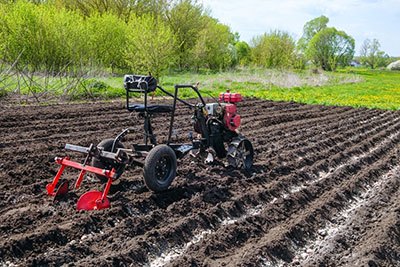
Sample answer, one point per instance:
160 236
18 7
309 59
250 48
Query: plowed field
324 191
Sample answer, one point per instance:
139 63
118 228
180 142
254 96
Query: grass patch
378 89
348 87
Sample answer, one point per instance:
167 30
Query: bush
41 37
90 88
107 40
213 47
273 50
47 38
151 46
243 52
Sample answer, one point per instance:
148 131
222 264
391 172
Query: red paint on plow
92 200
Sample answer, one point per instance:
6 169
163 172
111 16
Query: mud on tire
159 168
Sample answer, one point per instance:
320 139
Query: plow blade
62 190
92 200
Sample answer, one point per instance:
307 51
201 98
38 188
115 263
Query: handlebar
194 88
177 87
175 95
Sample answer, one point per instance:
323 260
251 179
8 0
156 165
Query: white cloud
359 18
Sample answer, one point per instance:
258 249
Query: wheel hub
162 169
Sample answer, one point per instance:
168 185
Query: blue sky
371 19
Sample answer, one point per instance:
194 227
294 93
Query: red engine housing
231 118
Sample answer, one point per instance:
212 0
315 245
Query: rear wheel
159 168
108 164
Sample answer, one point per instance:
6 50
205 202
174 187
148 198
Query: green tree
212 49
273 50
310 29
186 19
108 39
371 55
151 45
121 8
243 52
330 48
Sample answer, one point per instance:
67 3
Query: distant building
394 65
355 63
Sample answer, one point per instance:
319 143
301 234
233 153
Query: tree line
63 37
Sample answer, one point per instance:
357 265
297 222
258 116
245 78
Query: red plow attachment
92 200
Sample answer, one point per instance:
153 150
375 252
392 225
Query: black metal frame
134 155
142 87
175 96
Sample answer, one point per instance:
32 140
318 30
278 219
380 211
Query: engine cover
212 109
231 119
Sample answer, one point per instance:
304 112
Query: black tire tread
149 168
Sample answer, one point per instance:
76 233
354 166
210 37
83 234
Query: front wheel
159 168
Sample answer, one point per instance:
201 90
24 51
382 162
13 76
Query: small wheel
159 168
241 154
107 144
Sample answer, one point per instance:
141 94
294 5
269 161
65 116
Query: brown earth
324 191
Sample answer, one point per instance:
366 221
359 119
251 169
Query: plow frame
92 200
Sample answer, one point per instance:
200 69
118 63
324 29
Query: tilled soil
324 191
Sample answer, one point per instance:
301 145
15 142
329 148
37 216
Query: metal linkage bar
96 152
79 166
76 148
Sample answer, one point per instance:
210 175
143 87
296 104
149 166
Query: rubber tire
149 170
106 164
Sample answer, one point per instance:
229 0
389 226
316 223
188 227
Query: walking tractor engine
218 137
227 110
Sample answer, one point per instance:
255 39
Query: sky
362 19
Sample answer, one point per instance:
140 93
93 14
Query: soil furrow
314 165
234 230
287 205
355 219
281 241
